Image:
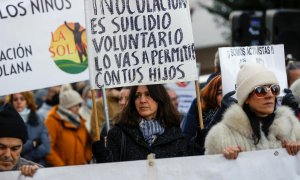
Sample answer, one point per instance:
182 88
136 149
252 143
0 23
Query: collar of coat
284 124
170 134
64 122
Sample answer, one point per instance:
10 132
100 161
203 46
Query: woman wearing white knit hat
255 123
70 141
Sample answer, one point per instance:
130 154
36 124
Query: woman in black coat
148 124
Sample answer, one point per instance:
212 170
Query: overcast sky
206 31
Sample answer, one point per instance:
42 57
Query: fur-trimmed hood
235 130
284 122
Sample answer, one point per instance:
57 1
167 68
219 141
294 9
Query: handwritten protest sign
40 45
231 58
139 42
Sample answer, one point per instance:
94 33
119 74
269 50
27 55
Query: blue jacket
190 123
38 130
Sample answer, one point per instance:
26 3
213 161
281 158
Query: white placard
231 58
139 42
37 50
267 164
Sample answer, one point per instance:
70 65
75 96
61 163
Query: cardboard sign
231 58
139 42
43 44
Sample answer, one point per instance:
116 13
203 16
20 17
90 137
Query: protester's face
89 95
219 96
262 106
114 93
19 102
174 98
123 99
75 109
10 150
145 105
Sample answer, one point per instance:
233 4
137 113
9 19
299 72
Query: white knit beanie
250 76
68 97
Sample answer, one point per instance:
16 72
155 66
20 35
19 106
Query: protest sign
139 42
43 43
266 164
231 58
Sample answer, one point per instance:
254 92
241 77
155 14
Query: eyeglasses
262 91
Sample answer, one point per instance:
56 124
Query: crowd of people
56 127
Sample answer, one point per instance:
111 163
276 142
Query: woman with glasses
70 141
255 123
38 144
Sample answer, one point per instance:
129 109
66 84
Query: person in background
295 88
173 96
123 100
13 135
86 109
148 124
70 141
217 68
255 123
292 69
211 96
37 146
112 97
40 97
52 99
2 100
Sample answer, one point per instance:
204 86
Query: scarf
24 114
150 130
69 116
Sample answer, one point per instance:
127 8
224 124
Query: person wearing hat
13 135
255 123
38 144
69 138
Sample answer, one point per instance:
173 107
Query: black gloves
290 101
36 142
200 136
100 153
227 100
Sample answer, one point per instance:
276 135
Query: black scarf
255 122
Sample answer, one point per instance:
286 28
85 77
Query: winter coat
171 143
70 145
23 162
113 109
190 123
37 131
44 110
235 130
